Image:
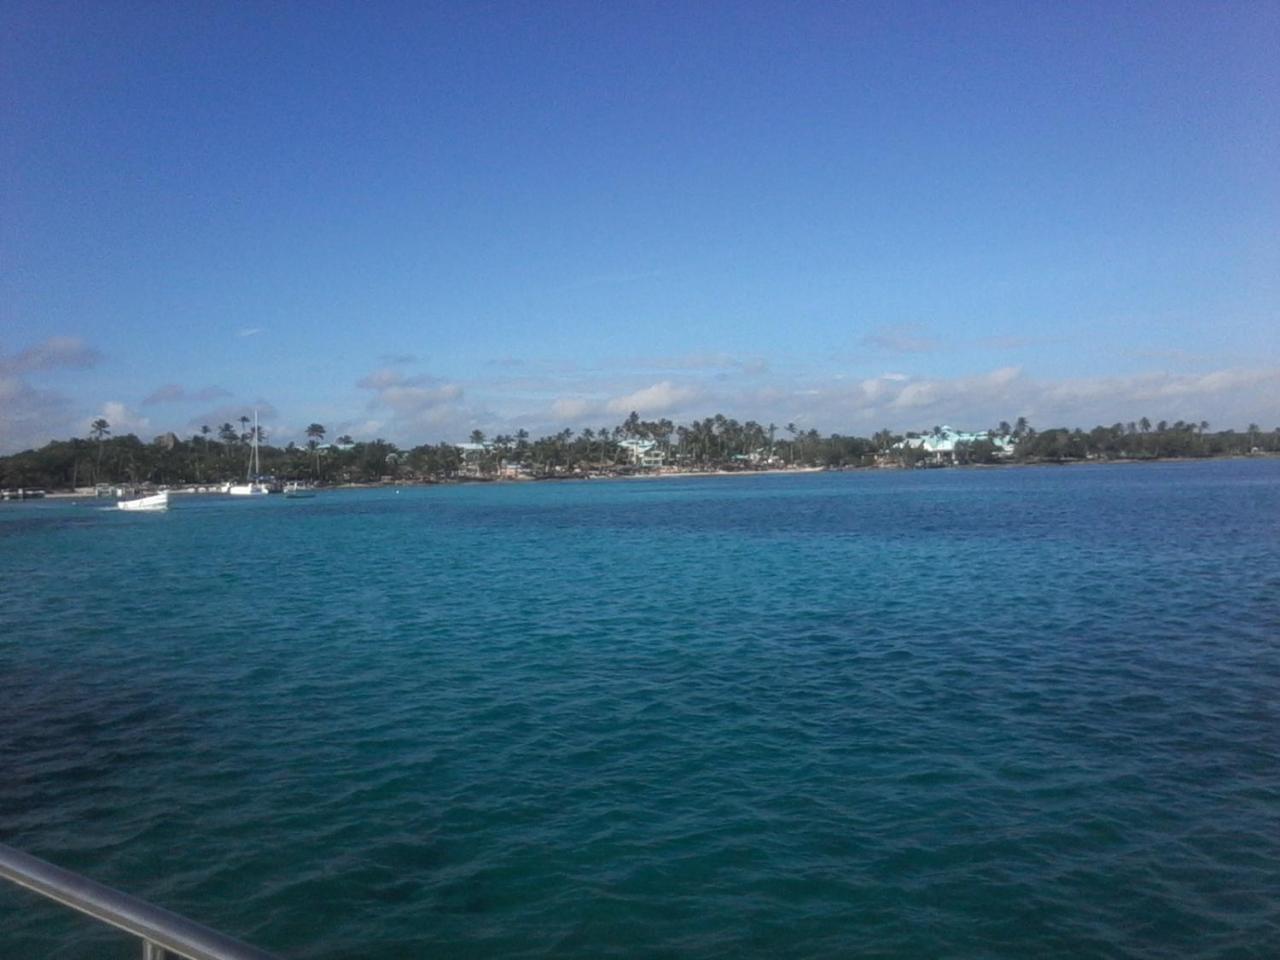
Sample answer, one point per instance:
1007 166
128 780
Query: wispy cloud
415 403
575 409
714 363
250 331
30 415
232 412
55 353
1005 342
901 338
176 393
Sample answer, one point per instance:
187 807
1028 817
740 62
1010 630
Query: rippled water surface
1003 713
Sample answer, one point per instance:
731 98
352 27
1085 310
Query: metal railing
164 934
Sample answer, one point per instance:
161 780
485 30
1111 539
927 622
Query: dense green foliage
714 443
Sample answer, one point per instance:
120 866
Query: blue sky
413 220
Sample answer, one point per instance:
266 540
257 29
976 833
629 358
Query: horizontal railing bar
165 929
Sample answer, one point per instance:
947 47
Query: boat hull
158 501
247 490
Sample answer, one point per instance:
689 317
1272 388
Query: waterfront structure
22 493
944 444
643 453
473 458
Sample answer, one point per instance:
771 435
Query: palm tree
315 433
99 429
244 427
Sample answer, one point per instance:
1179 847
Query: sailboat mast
256 469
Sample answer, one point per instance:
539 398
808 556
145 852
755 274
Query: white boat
251 487
247 489
298 491
157 501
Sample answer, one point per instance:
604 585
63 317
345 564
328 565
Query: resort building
643 453
948 445
473 456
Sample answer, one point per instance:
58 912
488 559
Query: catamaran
251 486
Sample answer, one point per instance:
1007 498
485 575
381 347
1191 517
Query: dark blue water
1002 713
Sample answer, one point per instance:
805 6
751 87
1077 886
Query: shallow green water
958 713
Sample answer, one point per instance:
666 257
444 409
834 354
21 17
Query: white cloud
421 406
122 419
368 429
380 379
249 331
1230 397
661 397
416 401
1227 397
575 409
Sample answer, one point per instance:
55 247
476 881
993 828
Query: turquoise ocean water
1001 713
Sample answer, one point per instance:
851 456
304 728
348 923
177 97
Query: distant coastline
651 449
89 493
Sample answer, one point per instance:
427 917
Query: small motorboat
156 501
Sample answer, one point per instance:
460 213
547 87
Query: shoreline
696 474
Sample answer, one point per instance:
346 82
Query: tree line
213 456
